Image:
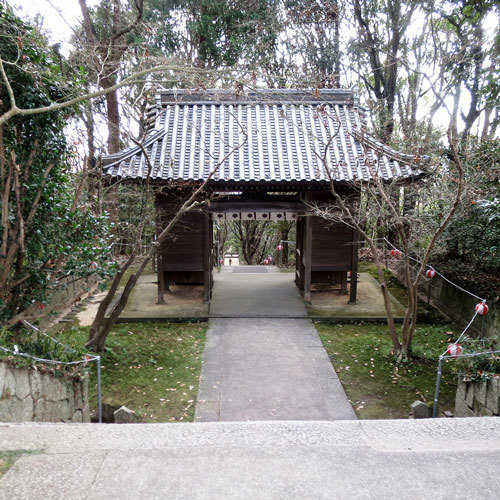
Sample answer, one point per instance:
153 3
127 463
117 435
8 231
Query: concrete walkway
255 294
262 360
405 459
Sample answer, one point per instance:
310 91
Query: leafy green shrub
480 367
476 235
27 341
49 239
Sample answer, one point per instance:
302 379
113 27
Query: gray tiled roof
274 136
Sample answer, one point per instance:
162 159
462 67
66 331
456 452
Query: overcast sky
58 15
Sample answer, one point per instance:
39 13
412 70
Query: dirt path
86 316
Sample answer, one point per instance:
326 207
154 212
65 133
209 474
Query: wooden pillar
343 282
354 268
161 276
211 261
299 252
206 257
307 258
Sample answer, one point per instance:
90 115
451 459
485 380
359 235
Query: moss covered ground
151 368
378 386
9 457
7 460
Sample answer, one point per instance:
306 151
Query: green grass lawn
151 368
376 385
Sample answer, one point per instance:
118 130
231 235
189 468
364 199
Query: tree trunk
103 306
396 345
113 124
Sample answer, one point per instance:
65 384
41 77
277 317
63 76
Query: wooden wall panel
184 277
183 258
183 250
332 252
299 254
331 244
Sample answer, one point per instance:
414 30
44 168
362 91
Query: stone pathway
256 295
448 458
263 360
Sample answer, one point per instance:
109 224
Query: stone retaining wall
457 305
478 399
460 307
27 395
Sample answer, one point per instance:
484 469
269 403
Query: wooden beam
264 205
330 268
354 268
210 255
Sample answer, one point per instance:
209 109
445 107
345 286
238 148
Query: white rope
471 354
88 357
51 361
448 281
429 266
437 272
66 348
364 241
459 287
462 334
467 327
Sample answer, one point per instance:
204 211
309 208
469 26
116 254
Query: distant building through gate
231 259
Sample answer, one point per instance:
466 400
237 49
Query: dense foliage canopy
46 234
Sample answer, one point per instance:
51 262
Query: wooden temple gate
269 154
325 252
